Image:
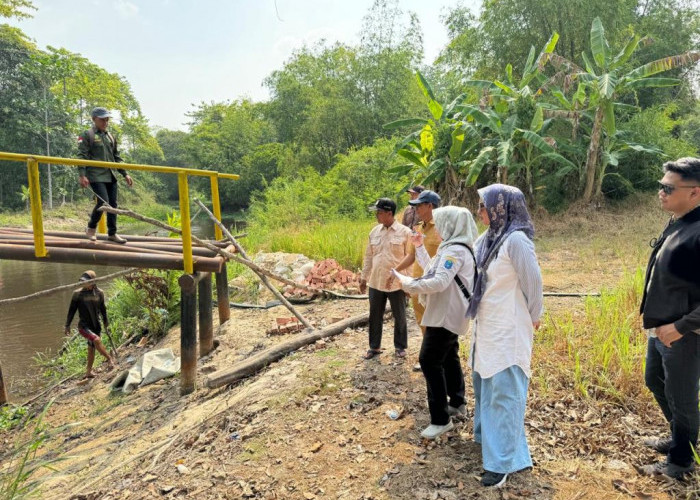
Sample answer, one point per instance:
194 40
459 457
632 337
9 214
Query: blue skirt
499 420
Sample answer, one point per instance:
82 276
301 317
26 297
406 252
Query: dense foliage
562 99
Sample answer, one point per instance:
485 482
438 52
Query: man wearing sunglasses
671 315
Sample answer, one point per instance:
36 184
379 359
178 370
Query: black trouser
439 360
673 374
107 191
377 304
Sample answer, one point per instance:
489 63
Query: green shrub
653 126
343 193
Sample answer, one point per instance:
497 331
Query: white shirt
445 304
502 334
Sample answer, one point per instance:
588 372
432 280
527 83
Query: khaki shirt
431 242
386 248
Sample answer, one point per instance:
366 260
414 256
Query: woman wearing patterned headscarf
444 288
506 306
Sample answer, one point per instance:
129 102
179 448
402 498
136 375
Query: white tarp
151 367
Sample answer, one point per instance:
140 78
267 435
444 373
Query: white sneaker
90 232
433 431
460 410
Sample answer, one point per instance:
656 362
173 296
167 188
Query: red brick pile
330 275
285 325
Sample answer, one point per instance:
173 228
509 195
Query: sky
179 53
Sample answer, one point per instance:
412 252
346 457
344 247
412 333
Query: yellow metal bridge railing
33 161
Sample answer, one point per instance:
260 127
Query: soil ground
316 424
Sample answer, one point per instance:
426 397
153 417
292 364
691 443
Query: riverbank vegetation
584 105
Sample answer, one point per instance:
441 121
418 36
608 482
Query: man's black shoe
661 445
493 479
667 469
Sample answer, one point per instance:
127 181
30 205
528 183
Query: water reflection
37 325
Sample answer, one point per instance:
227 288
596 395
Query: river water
36 325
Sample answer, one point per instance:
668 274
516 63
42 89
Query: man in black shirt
89 301
671 315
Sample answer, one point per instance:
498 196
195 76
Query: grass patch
602 350
326 353
11 416
253 450
21 462
343 240
106 404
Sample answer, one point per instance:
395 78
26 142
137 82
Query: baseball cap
415 189
383 204
101 113
427 196
88 275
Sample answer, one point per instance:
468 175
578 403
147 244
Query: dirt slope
315 425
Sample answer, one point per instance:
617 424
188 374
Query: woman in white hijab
445 289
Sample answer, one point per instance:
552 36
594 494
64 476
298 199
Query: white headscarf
455 225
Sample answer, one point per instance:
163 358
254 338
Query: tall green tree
606 77
330 98
16 8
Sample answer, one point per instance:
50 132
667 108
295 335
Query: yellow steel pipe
216 206
183 189
102 224
106 164
35 203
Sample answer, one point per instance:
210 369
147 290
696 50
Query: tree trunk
592 156
255 363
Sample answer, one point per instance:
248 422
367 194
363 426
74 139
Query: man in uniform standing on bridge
98 144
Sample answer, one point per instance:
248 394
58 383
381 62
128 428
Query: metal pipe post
216 205
188 333
206 323
222 295
35 203
3 392
185 221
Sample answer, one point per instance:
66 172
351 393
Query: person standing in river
98 144
89 301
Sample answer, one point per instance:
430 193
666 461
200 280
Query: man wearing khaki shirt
388 246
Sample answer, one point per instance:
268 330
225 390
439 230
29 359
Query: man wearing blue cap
98 144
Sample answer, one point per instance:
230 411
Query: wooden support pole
3 391
188 333
255 363
206 323
245 260
222 295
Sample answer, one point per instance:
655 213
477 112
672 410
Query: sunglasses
668 189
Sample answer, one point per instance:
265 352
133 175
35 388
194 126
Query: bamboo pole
260 275
65 287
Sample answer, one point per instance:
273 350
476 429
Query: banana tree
434 150
511 115
605 79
